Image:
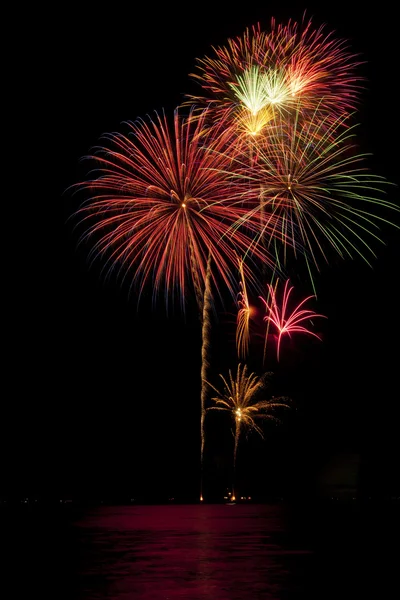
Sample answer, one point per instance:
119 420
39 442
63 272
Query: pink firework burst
287 321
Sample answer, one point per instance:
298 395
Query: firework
309 180
287 321
289 64
264 165
258 88
248 124
243 317
161 208
239 397
161 204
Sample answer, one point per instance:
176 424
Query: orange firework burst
243 317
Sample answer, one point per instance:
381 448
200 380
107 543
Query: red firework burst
161 204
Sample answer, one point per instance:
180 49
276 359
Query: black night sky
103 398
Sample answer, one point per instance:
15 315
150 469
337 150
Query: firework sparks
310 180
161 206
243 317
258 88
264 164
251 89
289 63
248 124
287 321
239 398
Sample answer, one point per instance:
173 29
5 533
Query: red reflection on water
193 552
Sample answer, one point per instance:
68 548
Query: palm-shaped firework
240 397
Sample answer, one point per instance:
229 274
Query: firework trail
205 365
287 321
243 317
239 398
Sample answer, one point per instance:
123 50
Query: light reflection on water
192 552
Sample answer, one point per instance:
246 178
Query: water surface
195 552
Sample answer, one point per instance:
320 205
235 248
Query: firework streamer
271 286
243 317
205 363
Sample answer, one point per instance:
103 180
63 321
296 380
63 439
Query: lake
218 552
